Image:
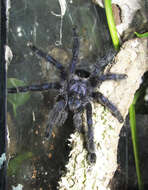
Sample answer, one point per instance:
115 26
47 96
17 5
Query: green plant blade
14 164
144 35
16 99
134 140
111 24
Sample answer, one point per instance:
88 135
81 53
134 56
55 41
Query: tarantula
77 90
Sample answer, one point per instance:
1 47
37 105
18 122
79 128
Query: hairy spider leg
49 58
112 76
90 135
57 116
41 87
95 80
103 62
77 120
100 98
75 51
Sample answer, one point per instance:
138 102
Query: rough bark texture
133 61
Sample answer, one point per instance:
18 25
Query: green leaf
135 139
111 24
15 164
144 35
16 99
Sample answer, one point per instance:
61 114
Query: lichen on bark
132 60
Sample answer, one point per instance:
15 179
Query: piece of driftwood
132 60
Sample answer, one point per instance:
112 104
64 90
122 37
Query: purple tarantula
76 91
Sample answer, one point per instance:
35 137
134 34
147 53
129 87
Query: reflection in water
34 162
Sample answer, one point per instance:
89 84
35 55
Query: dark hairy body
76 92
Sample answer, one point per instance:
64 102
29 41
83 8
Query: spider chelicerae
76 92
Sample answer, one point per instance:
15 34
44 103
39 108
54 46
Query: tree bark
132 60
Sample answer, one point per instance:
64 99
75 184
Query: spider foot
112 76
91 157
48 133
